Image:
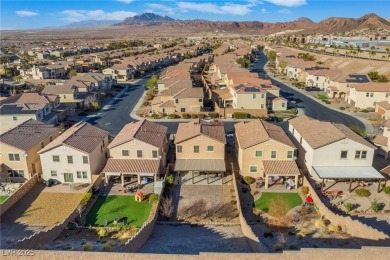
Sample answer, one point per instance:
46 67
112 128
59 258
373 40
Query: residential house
264 150
366 95
119 72
19 146
200 152
383 108
139 149
77 155
382 140
331 151
248 96
67 92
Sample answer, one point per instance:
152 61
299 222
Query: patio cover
282 168
345 172
136 166
202 165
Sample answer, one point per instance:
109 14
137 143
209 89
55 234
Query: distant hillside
330 25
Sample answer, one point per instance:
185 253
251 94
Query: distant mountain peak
304 19
146 19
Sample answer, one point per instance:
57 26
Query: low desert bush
348 206
362 192
170 180
173 116
213 114
194 116
320 223
186 116
153 197
334 228
201 116
107 247
375 206
88 246
248 180
102 233
305 190
387 189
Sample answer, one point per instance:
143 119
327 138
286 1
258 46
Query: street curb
368 127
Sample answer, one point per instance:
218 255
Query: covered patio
196 169
349 173
275 169
131 167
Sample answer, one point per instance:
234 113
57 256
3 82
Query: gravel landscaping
186 239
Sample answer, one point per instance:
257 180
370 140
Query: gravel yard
186 239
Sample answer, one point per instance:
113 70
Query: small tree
72 73
152 82
166 208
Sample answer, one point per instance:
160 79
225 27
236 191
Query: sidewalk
369 128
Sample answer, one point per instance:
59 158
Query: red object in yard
309 199
124 191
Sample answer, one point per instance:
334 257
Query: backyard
2 199
291 200
124 207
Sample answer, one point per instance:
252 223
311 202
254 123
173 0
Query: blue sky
32 14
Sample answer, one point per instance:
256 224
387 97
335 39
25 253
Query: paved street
310 107
118 114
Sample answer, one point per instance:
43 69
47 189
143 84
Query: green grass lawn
291 199
3 198
123 206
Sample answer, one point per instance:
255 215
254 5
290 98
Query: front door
68 177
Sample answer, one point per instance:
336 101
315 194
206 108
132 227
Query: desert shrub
348 206
327 102
213 114
342 108
153 197
278 207
173 116
87 246
320 223
155 116
375 206
194 116
304 190
387 189
170 180
364 110
107 247
248 180
278 247
186 115
102 233
201 116
86 197
166 208
362 192
334 228
240 115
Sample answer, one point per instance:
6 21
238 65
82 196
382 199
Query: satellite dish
24 155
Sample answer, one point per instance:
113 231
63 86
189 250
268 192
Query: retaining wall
353 227
16 196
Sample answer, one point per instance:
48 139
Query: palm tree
383 57
387 50
372 53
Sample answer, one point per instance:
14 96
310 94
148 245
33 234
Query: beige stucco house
140 149
76 155
264 150
200 152
366 95
19 146
382 140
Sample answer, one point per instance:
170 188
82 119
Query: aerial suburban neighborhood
209 130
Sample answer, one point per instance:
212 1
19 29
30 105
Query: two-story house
19 146
200 152
382 140
67 92
332 151
140 149
366 95
76 155
264 150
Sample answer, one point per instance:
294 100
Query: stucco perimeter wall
137 241
11 200
228 111
253 240
353 227
378 253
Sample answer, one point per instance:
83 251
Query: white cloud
125 1
25 13
227 8
83 15
284 11
263 11
161 9
287 2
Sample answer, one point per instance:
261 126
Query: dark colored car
273 119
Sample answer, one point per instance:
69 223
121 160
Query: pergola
351 173
126 167
285 168
200 165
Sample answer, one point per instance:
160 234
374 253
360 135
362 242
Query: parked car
273 119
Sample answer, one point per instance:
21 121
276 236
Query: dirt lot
36 211
186 239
